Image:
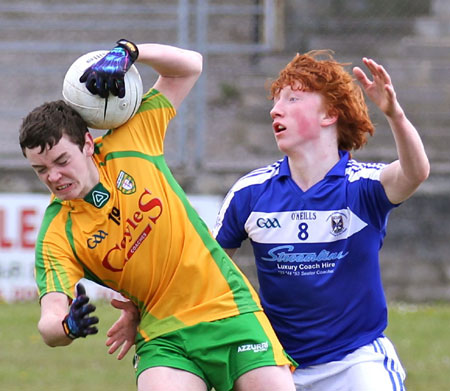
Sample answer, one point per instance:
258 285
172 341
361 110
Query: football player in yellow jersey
118 217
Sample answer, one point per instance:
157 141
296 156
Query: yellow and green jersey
137 233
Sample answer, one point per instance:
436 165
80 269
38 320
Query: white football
101 113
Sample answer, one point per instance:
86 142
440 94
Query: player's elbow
49 342
425 172
52 336
197 63
418 172
421 173
46 336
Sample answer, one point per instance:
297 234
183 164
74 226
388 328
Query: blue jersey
316 254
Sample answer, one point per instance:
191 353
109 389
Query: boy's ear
329 118
88 144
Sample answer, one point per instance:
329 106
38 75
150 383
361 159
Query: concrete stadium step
37 51
433 27
426 48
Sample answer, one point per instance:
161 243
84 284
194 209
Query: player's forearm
52 332
170 61
413 159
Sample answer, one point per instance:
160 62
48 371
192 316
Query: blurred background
224 129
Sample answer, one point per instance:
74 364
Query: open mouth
63 187
278 128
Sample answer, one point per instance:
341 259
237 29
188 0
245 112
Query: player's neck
93 178
307 169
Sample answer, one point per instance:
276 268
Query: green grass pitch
421 334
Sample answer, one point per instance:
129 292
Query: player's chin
283 146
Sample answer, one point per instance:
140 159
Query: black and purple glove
77 322
107 74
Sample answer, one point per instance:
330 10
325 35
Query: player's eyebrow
60 157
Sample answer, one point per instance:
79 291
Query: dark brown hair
46 124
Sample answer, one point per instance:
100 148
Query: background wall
224 127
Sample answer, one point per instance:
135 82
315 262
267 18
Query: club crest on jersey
125 183
337 223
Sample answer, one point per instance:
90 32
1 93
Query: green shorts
218 352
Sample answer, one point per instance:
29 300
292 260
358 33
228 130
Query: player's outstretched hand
380 90
123 332
77 322
107 74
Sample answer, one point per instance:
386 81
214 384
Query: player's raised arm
402 177
178 68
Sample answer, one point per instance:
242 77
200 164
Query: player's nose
53 175
276 110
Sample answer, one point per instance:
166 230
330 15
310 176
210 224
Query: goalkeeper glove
77 322
107 74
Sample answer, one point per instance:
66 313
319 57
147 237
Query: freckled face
67 171
297 117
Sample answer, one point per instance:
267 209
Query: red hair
342 95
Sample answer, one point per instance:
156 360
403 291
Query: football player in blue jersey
317 218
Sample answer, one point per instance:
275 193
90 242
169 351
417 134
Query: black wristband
130 47
67 329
